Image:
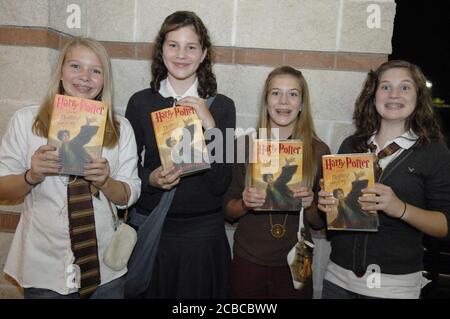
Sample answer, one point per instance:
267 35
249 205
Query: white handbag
300 256
122 243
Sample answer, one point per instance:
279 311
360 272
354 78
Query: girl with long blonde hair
260 268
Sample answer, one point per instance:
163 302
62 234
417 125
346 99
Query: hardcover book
276 169
180 140
77 128
345 175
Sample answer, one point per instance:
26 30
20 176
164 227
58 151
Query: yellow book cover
180 140
77 128
345 175
276 168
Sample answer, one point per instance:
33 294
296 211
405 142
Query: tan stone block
25 73
287 24
333 93
340 131
7 109
244 85
217 15
58 16
24 12
323 129
111 20
129 77
356 35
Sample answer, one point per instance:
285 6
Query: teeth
284 111
394 105
82 88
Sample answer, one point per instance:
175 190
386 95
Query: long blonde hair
304 126
42 121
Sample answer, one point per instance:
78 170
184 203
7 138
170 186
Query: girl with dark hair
260 268
412 196
193 256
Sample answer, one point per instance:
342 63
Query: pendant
278 231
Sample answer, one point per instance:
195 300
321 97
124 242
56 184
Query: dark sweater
196 194
418 176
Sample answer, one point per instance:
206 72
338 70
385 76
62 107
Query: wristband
404 211
25 178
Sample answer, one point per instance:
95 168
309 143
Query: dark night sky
422 36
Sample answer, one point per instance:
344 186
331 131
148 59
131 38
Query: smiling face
182 55
82 73
284 99
396 95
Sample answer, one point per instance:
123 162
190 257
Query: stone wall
334 42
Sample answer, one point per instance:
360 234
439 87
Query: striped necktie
82 234
385 152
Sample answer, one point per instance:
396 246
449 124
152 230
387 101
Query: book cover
77 128
345 176
276 168
180 140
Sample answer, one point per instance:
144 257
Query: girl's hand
201 108
97 172
165 179
252 198
306 195
384 199
326 200
44 162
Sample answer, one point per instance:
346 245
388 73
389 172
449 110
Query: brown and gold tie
385 152
82 234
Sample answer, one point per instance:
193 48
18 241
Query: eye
274 93
97 71
405 87
192 47
74 65
384 87
293 94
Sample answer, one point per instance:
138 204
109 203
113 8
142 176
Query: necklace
277 230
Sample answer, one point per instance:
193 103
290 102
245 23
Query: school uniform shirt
40 255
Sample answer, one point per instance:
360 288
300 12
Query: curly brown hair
207 85
368 121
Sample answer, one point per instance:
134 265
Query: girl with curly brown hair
412 195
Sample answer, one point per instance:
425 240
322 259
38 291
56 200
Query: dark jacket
418 176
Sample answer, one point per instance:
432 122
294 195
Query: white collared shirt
390 286
166 90
40 255
405 141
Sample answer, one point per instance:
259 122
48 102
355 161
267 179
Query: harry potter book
345 176
77 128
276 169
180 140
